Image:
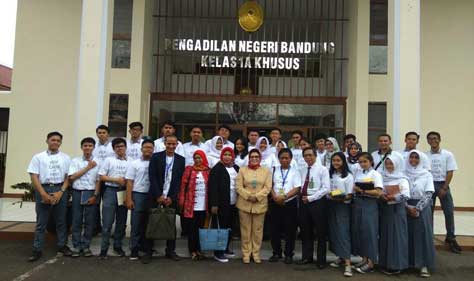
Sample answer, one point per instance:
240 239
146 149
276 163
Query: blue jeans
138 217
447 205
42 216
82 215
111 212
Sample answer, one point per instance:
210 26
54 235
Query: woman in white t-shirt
353 151
241 152
215 148
269 159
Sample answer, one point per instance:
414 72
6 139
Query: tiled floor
14 210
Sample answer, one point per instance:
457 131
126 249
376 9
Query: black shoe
134 255
36 255
173 256
304 261
454 246
120 252
274 258
65 251
146 259
391 271
288 260
103 255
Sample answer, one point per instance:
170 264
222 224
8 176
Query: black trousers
228 218
149 244
283 222
194 223
312 216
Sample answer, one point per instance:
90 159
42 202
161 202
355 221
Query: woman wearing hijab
421 252
339 212
193 200
279 146
241 152
268 159
353 151
214 153
253 184
331 147
393 255
223 196
365 213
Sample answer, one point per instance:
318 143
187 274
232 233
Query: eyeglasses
254 157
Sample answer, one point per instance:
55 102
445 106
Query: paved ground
13 263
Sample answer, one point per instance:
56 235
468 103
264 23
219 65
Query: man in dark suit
165 172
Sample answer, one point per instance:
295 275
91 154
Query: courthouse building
332 66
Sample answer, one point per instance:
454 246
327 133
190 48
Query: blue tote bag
213 239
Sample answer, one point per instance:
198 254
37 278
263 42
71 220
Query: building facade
341 66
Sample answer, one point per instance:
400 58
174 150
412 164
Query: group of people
377 206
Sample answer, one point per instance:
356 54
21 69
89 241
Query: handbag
161 224
213 239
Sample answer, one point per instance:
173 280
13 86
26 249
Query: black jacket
219 186
156 173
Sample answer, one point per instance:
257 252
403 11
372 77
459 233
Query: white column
91 82
406 69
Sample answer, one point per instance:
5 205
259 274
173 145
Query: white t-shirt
168 175
420 185
160 146
284 180
51 168
114 167
320 156
404 186
353 167
134 150
346 184
137 171
212 161
378 157
233 193
102 151
251 146
441 163
270 162
188 150
298 157
200 193
319 184
242 162
86 181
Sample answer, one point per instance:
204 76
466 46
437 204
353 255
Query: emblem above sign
250 16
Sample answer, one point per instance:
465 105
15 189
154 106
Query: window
377 123
378 36
4 118
122 33
118 115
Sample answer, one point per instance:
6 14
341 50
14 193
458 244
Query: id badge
254 184
311 185
281 191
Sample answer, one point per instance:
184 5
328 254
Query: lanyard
168 168
284 177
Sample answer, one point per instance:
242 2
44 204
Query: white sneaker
337 263
424 272
348 271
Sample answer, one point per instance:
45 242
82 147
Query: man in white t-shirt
103 147
411 141
48 172
138 187
134 144
84 175
320 147
443 165
252 137
190 147
385 149
168 129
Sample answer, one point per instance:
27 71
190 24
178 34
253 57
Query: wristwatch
96 195
63 189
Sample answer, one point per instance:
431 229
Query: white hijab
276 147
213 151
396 176
268 151
418 171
